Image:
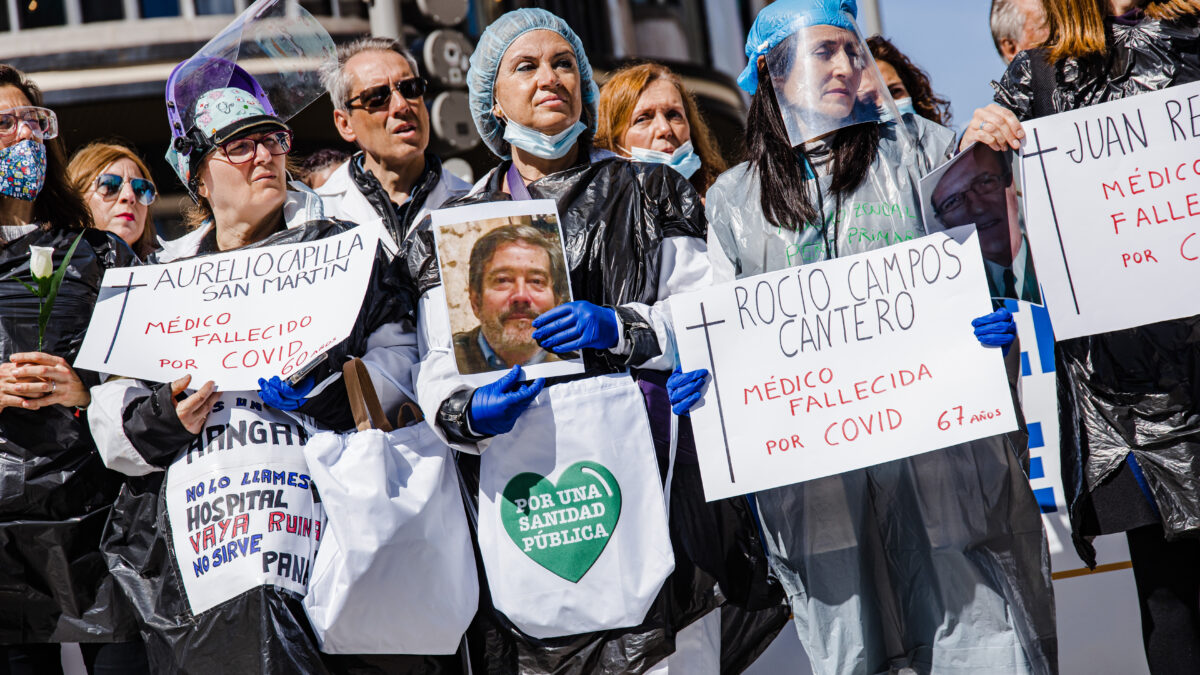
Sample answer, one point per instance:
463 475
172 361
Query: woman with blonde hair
1130 399
117 187
647 114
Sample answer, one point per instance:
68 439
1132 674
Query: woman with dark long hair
55 494
1129 399
907 83
918 563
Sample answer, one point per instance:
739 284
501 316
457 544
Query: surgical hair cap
485 63
781 19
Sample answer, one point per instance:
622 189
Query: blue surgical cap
781 19
485 62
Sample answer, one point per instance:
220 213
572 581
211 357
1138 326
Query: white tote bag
572 520
396 573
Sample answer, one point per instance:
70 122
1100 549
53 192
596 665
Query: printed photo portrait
503 265
978 188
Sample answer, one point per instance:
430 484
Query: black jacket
55 492
1130 391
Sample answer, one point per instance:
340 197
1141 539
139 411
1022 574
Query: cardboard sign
1112 208
240 503
230 317
503 264
839 365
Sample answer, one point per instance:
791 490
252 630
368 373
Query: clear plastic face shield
277 43
825 79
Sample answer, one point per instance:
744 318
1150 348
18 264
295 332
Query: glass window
155 8
108 10
41 13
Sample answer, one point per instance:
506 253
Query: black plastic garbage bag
1133 391
264 629
55 492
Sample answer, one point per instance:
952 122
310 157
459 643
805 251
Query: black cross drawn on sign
125 291
1041 157
712 369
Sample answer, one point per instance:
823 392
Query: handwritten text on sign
1112 208
231 317
839 365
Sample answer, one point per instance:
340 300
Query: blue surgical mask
541 145
905 106
684 159
23 170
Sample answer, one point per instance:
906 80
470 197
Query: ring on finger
983 125
53 386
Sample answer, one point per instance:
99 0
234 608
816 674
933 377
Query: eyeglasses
377 97
242 150
108 186
42 121
985 184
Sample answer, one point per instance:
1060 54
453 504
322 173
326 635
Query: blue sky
951 41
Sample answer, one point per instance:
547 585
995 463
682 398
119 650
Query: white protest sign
843 364
241 506
1112 196
230 317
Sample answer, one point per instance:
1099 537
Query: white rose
41 261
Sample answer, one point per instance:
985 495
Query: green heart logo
563 527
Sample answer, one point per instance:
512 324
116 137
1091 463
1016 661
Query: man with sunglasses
378 105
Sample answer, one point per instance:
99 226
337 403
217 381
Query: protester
118 189
316 169
635 236
57 493
908 84
1128 399
1017 25
229 149
378 105
646 113
935 559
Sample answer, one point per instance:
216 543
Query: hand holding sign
842 364
193 410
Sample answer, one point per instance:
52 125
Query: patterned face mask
23 170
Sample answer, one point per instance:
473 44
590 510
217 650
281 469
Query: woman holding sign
1130 399
634 235
917 563
56 493
216 534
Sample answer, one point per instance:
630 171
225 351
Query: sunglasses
108 186
42 121
242 150
377 97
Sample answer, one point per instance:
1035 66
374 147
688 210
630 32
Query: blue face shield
541 145
684 159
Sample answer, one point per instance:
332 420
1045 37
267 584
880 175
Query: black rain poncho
1130 391
616 216
263 629
937 562
55 492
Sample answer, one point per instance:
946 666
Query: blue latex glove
996 329
575 325
684 389
495 407
279 394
